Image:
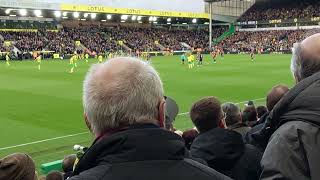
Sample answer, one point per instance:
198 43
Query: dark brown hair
206 114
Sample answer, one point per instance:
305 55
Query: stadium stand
270 11
291 126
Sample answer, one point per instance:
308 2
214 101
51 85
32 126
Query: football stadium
171 89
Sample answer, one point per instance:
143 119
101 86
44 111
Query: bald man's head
121 92
275 94
306 58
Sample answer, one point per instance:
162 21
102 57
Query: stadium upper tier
265 41
271 11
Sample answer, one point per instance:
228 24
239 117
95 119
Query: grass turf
37 105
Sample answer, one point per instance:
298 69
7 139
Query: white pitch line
44 140
77 134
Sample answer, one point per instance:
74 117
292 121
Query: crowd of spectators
100 40
265 11
265 41
135 137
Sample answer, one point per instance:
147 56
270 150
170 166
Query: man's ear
162 114
87 121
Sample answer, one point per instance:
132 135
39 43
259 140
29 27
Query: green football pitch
41 111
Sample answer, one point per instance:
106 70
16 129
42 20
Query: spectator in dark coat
257 136
249 115
223 149
55 175
293 150
67 165
124 108
17 167
261 110
233 118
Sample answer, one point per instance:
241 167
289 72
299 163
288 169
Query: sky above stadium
196 6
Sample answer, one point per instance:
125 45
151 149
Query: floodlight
76 15
93 15
37 13
124 17
7 11
57 14
23 12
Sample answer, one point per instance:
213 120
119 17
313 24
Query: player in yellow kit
110 55
7 59
73 63
191 60
100 58
38 60
87 57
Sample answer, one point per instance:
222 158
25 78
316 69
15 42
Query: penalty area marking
77 134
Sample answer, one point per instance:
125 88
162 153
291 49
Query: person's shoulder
292 128
94 173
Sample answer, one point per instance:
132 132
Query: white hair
121 92
296 61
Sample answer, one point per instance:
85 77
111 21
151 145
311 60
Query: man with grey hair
124 108
233 118
293 149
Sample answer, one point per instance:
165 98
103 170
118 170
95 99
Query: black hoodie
225 152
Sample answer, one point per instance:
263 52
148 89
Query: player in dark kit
199 58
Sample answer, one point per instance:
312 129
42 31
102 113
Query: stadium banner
280 21
132 11
56 56
19 30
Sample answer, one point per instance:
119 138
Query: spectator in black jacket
124 108
257 136
249 115
67 165
233 118
55 175
17 166
261 110
293 150
223 149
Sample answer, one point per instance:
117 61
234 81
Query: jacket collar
136 143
